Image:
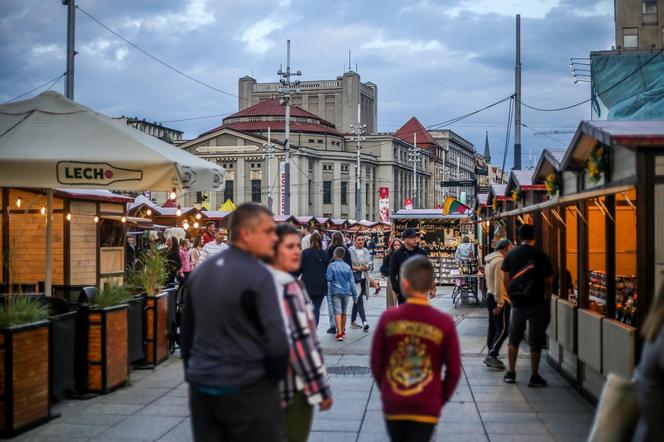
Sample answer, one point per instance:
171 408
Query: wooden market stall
440 236
605 197
88 237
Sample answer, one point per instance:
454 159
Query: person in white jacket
498 304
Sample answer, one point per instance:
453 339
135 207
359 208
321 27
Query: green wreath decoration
516 194
551 184
595 163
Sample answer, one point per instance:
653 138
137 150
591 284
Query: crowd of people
252 354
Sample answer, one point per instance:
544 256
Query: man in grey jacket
234 342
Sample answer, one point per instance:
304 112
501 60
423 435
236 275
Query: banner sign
408 204
282 187
481 170
98 174
384 204
466 183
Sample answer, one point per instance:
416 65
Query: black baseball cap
409 233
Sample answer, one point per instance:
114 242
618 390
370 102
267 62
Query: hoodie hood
490 257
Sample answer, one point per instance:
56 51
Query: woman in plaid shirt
306 382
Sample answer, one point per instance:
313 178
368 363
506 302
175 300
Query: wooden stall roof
321 219
524 180
367 223
630 134
482 199
338 221
436 214
214 214
283 218
92 195
549 162
498 191
303 220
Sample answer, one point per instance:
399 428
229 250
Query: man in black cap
411 240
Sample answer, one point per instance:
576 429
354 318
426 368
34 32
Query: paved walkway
483 408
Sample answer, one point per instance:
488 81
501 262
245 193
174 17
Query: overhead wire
49 82
543 134
507 139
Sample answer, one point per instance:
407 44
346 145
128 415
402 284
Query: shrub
112 295
22 310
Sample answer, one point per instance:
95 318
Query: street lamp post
268 148
359 130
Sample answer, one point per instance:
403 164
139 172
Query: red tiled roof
273 108
413 126
277 126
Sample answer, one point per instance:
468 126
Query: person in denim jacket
341 285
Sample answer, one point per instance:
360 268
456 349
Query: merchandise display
626 296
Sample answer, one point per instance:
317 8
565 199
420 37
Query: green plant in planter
112 295
150 272
22 310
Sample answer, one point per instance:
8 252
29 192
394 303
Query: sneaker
355 325
332 330
366 326
493 362
510 377
343 335
536 381
340 337
377 292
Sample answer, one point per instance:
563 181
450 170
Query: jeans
498 326
409 431
330 311
251 414
537 318
340 304
358 308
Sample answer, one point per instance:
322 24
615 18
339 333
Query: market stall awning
52 142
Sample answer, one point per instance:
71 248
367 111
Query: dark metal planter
24 372
63 352
136 328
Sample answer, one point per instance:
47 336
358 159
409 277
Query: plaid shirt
306 371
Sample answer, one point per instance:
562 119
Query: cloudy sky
431 59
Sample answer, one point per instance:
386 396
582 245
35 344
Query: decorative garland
516 194
595 164
494 205
551 184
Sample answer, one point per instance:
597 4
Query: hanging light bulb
43 210
185 225
196 224
198 216
178 211
96 219
172 195
18 201
123 219
148 212
69 217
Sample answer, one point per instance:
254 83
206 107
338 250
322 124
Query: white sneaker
366 326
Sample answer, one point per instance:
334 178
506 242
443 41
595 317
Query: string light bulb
198 216
96 219
196 224
43 210
148 212
185 225
19 201
172 195
178 211
123 219
69 217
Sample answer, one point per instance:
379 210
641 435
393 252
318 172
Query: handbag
617 412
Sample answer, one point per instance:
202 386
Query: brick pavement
483 408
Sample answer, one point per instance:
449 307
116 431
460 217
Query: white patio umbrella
52 142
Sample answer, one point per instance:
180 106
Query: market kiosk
606 195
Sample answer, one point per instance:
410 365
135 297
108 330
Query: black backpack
521 285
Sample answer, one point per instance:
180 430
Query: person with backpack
527 271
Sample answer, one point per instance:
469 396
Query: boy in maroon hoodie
411 345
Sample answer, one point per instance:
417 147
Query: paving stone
324 436
135 396
165 410
515 428
460 412
521 438
504 406
343 409
180 433
504 416
69 430
338 425
566 417
460 428
141 428
113 409
578 428
445 436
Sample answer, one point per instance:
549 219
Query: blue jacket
340 278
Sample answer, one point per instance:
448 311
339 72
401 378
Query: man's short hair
418 271
527 232
339 252
503 244
465 239
246 215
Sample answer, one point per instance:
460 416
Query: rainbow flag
452 206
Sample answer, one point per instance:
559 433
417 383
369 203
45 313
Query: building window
309 192
311 140
649 12
344 192
368 194
630 38
327 192
256 191
228 190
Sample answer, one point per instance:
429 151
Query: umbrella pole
48 268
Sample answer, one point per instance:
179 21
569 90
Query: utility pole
414 156
71 52
359 130
517 97
286 89
268 148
